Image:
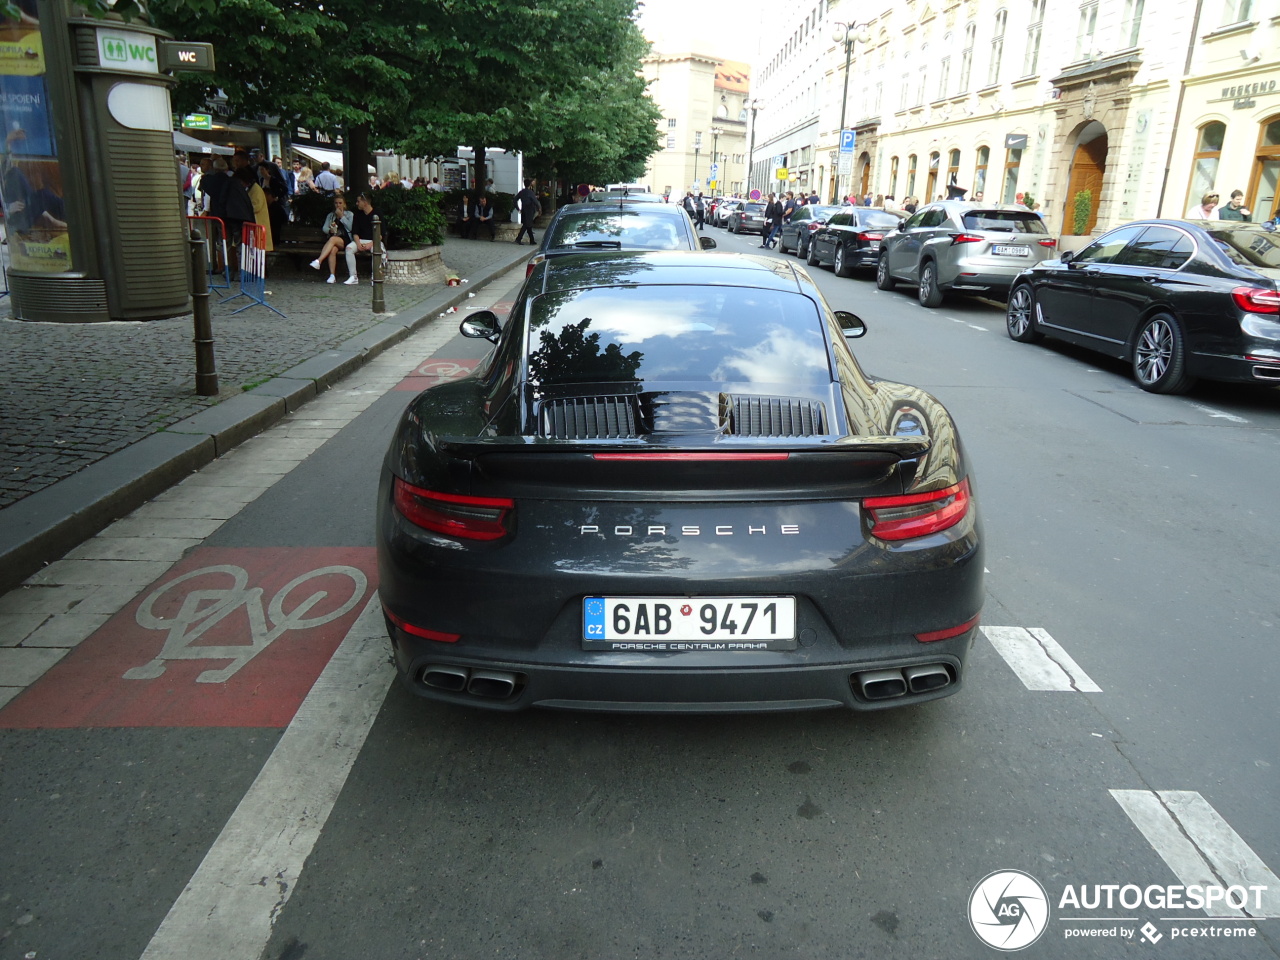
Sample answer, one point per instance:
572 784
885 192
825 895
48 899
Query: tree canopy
556 79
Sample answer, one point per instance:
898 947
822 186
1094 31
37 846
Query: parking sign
847 140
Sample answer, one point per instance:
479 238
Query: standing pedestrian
1235 208
326 181
773 219
527 204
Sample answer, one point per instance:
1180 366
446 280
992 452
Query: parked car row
1178 300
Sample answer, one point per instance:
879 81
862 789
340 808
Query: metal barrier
253 269
215 249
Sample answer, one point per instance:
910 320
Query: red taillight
1256 300
966 238
1048 242
917 514
950 632
870 236
420 631
816 225
467 518
690 456
533 262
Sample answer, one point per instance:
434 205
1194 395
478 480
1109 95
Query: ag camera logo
1008 910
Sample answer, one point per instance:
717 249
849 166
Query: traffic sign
781 174
715 170
847 140
713 185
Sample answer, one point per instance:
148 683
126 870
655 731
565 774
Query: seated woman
337 230
466 226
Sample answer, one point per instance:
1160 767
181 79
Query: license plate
1005 250
674 624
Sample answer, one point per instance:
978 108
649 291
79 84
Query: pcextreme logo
1009 910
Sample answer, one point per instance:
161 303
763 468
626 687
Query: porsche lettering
688 530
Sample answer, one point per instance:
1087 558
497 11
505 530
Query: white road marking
231 904
1219 414
1038 660
1200 847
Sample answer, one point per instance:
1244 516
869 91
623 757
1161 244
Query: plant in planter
1082 209
412 218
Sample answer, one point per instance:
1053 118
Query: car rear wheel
1019 318
811 257
884 279
782 243
1160 356
928 293
802 251
841 265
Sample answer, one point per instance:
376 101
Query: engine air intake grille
775 417
590 418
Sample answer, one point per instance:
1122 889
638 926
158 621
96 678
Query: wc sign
127 50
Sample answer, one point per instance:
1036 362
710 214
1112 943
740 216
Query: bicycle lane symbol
434 371
228 637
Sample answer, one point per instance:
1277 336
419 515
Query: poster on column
30 177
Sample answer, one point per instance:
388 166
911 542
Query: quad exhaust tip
888 684
1266 372
489 684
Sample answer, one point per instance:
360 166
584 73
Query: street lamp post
846 33
715 140
697 146
755 105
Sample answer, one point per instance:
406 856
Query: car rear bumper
883 677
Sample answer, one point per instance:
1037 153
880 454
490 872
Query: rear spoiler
469 448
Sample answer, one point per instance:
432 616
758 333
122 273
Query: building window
966 56
944 67
904 91
1032 58
1087 29
1236 11
1012 161
1205 164
980 172
924 74
1266 172
997 47
931 184
1132 25
893 176
953 168
671 143
671 123
911 175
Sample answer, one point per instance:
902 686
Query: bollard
379 304
206 365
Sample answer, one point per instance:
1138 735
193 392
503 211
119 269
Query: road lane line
231 903
1219 414
1200 847
1038 659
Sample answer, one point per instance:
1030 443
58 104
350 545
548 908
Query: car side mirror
1066 256
707 243
851 324
902 224
481 325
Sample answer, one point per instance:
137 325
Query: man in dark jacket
527 202
773 217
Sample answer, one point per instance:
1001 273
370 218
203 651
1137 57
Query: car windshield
1004 221
627 229
676 333
1249 248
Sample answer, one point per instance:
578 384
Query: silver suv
963 246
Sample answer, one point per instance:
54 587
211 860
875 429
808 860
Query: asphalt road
1130 553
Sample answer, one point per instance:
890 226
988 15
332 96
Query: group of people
346 232
247 189
1208 208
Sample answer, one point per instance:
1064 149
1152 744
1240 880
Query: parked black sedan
672 489
1177 299
618 225
796 232
851 238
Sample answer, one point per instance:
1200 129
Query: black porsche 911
672 488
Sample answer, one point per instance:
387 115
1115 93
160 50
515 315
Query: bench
299 245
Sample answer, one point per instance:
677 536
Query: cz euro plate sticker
676 624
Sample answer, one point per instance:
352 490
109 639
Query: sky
719 28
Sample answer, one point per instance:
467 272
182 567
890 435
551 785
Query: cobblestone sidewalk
71 394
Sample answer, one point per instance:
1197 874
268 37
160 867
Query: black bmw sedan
1176 299
671 488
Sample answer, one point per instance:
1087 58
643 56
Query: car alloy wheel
802 251
811 257
841 268
782 242
928 292
1019 319
1160 357
884 279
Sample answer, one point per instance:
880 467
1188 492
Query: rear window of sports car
674 333
628 229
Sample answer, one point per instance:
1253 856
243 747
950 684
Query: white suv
963 246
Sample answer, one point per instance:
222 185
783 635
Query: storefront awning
191 145
320 155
